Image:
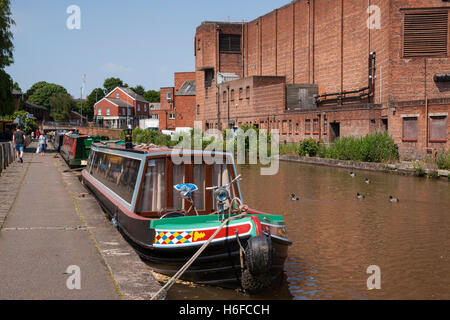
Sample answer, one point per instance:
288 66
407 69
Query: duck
352 174
392 199
294 198
367 181
360 196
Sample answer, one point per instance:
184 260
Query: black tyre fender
259 255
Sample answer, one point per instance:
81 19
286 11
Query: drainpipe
426 108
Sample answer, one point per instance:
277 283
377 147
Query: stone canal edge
132 278
403 169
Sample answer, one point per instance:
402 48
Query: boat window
178 178
153 193
117 173
199 181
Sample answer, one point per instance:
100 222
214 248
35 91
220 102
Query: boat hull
168 244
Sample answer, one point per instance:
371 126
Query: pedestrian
42 143
32 135
37 134
19 142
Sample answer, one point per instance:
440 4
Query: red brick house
325 69
177 105
121 107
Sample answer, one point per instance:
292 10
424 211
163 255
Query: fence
6 155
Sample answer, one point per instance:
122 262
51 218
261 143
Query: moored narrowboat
168 209
75 148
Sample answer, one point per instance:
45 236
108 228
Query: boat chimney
129 138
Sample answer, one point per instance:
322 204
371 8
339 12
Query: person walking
19 142
42 143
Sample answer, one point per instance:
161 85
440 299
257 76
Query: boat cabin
141 180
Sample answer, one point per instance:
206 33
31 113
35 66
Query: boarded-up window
425 34
410 129
229 43
316 126
438 129
308 126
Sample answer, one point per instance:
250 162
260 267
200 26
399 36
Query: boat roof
150 149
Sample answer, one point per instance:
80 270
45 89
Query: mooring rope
180 272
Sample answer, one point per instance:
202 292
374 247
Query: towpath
55 243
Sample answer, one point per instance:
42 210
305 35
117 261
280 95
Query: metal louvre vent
229 43
425 34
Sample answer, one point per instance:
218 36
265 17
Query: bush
418 169
308 147
378 147
443 161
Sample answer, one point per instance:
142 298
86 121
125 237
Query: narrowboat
57 139
167 209
76 147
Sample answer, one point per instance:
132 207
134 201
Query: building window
224 97
410 129
209 77
138 107
308 126
425 34
297 127
438 129
316 126
99 111
325 125
145 108
108 111
241 93
232 94
168 96
198 109
198 44
171 116
156 116
117 95
230 43
247 92
129 111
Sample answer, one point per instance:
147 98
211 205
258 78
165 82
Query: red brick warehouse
177 103
331 68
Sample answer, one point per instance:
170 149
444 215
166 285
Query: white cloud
111 67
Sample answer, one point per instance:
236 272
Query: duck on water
168 210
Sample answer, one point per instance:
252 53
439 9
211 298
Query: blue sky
140 41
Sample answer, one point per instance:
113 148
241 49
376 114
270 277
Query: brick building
120 107
177 109
331 68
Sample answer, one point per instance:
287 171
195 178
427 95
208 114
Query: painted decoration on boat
198 236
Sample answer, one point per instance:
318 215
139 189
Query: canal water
336 236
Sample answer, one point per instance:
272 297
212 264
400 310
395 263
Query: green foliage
443 161
308 147
433 174
6 98
111 83
378 147
60 105
152 96
42 92
6 36
149 137
419 171
140 90
29 123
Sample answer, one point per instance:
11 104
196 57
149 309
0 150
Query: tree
111 83
6 36
140 90
6 98
41 96
61 104
152 96
35 87
28 121
88 106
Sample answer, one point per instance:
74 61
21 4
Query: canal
337 236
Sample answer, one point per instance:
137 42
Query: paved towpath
43 235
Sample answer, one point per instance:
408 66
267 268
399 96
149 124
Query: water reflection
336 236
